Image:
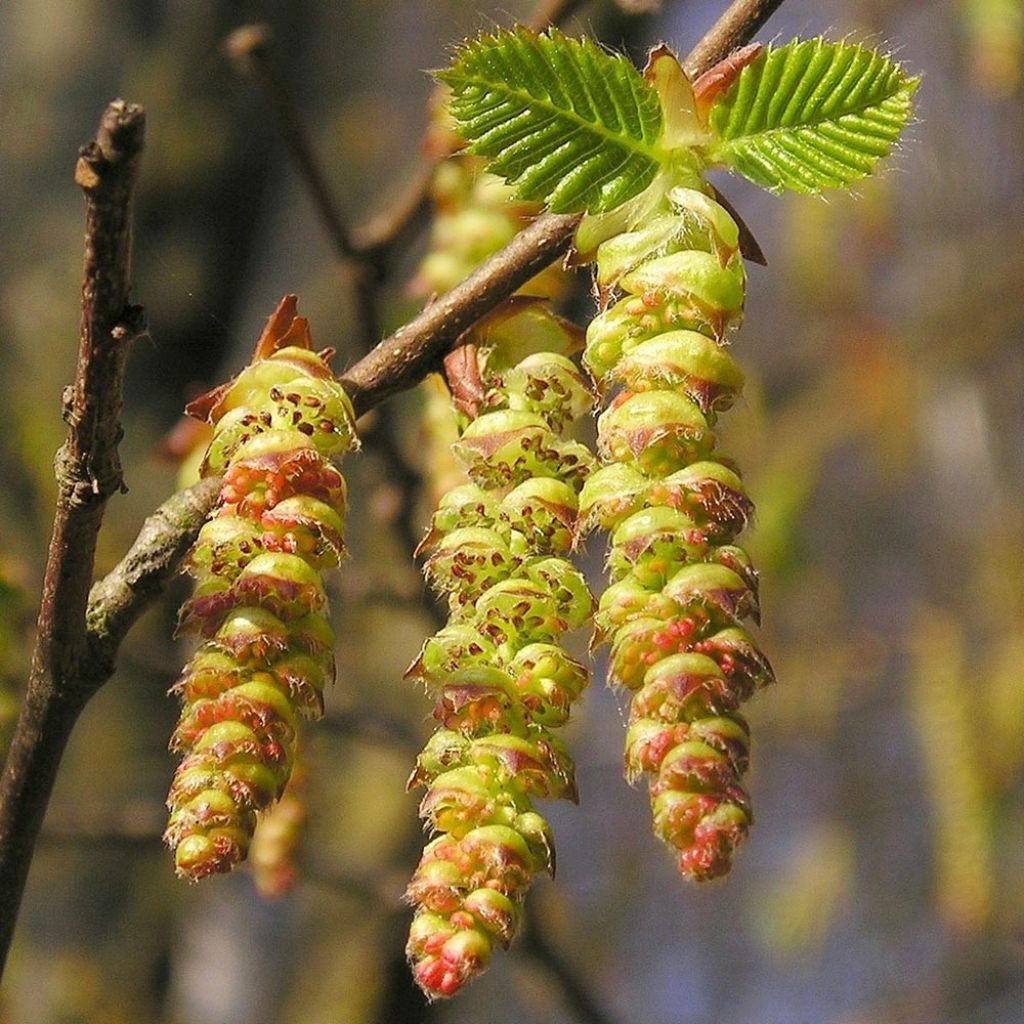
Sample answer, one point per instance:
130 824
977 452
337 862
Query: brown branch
249 49
116 601
412 351
88 472
552 12
392 227
740 22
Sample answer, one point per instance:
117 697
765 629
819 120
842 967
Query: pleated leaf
563 121
811 115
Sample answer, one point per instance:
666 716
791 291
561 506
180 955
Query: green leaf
565 122
811 115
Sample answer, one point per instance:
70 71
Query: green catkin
259 602
497 547
679 588
497 551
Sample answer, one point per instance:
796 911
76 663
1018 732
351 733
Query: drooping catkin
680 588
497 551
502 681
259 602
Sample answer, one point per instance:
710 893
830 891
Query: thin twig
740 22
88 473
391 228
249 49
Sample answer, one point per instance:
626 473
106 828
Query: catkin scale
259 602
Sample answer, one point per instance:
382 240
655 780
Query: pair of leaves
581 129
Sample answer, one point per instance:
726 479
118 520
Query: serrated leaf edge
720 153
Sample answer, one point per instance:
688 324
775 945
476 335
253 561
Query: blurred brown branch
538 945
393 225
249 49
63 674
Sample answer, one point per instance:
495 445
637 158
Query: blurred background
880 436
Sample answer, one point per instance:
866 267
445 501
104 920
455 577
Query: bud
714 590
457 644
464 506
610 494
684 361
305 526
543 509
710 293
653 544
711 493
548 682
548 384
468 561
224 545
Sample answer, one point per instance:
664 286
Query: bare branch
249 49
540 948
552 12
88 472
740 22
